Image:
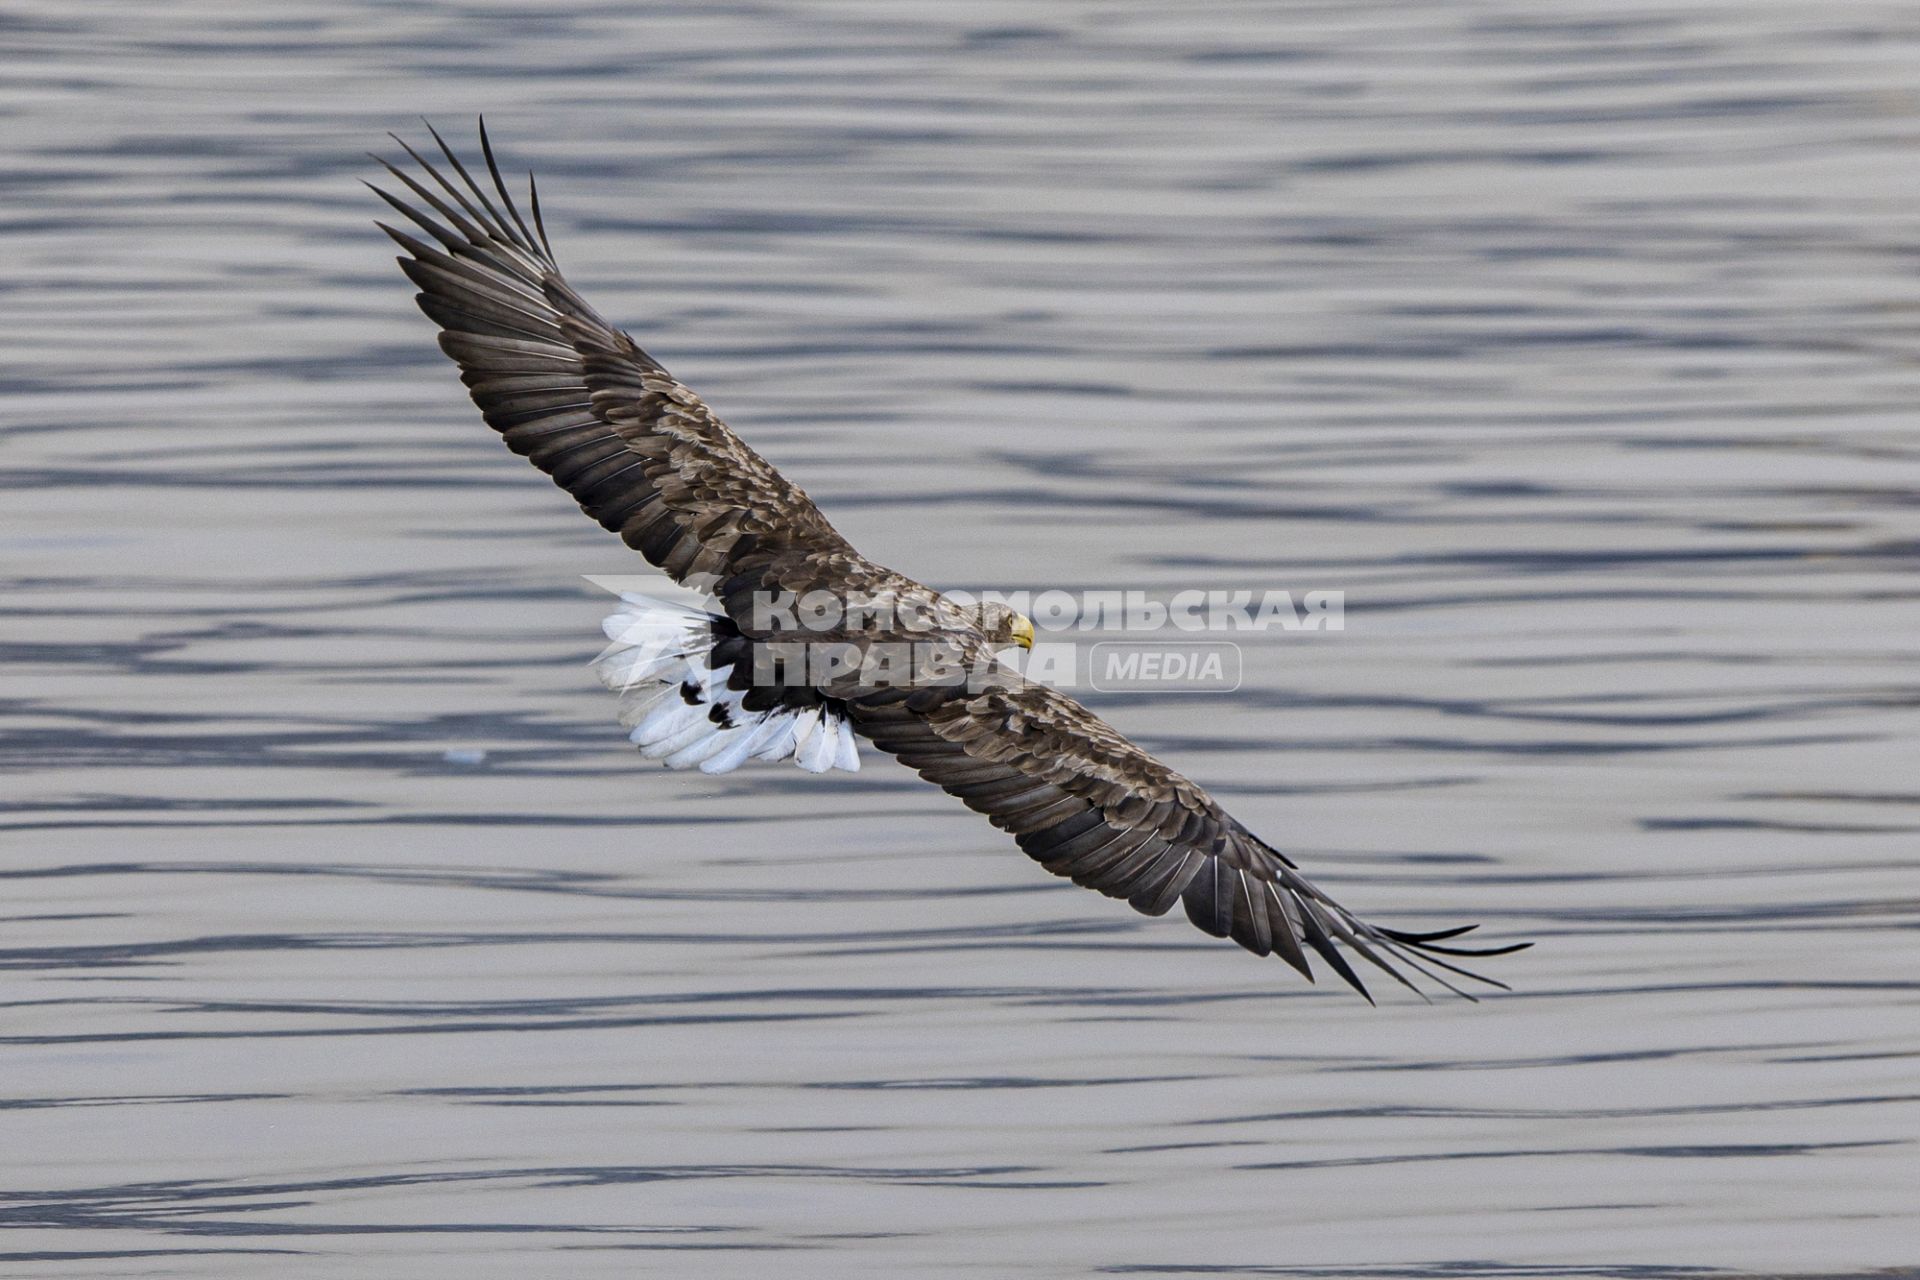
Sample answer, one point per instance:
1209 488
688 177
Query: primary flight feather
645 457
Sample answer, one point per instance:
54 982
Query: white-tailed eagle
645 457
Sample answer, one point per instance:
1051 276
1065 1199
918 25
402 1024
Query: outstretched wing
1086 803
642 454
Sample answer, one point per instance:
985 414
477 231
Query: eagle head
1003 625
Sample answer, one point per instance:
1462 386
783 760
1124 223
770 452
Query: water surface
342 930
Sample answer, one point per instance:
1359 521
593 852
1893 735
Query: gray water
1576 343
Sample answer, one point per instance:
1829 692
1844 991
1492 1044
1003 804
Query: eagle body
645 456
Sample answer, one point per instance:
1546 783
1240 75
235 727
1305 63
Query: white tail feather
658 665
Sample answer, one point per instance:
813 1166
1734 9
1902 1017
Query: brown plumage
645 457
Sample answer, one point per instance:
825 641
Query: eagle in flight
651 462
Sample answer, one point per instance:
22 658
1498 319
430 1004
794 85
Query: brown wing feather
1086 803
641 453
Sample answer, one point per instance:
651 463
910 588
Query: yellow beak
1023 632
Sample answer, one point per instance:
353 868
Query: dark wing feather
1088 804
642 454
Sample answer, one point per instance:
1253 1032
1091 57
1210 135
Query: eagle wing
645 457
1087 803
579 399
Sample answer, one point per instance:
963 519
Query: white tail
679 710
